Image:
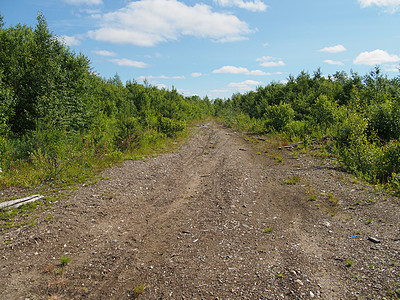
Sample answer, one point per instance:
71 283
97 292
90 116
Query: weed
292 180
295 154
139 289
64 260
349 263
280 275
267 230
369 221
333 199
312 198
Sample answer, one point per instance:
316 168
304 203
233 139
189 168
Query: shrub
297 129
389 161
385 121
323 112
277 117
170 126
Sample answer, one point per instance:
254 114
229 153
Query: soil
225 216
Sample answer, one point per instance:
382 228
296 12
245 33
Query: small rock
312 294
299 282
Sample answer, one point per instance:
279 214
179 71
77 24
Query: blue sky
220 47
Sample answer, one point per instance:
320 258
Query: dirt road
220 218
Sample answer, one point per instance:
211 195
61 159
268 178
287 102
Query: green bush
277 117
170 126
384 119
389 161
298 129
324 112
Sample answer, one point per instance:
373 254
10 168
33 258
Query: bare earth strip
213 220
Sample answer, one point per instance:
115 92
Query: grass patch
268 230
349 263
138 290
332 199
312 197
292 180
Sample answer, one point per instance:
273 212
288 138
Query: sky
216 48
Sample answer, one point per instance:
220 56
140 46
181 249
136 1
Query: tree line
59 120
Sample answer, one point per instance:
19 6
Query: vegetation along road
225 216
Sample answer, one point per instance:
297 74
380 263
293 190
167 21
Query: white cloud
334 62
149 22
128 63
245 85
237 70
162 86
69 40
392 68
220 91
333 49
196 74
160 77
255 5
392 5
269 61
84 2
375 57
104 53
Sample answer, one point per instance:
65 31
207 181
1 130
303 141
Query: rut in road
197 229
212 220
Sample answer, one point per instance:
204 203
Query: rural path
222 217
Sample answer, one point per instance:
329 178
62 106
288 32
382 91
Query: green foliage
64 260
60 122
277 117
389 161
323 112
358 116
384 119
292 180
170 126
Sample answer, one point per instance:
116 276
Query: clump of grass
64 261
349 263
332 199
138 290
268 230
292 180
312 198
